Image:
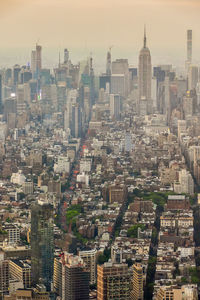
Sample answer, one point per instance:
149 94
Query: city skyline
84 29
99 150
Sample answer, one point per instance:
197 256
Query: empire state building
145 72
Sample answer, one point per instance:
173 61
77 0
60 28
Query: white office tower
115 106
193 77
186 182
120 69
118 84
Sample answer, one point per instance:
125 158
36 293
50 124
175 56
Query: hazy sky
86 26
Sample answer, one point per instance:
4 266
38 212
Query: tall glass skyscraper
42 244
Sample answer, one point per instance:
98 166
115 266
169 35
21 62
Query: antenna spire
145 37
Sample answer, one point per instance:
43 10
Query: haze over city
92 26
99 150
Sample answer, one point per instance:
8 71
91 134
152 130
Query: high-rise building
115 106
189 49
21 270
186 183
10 106
108 63
198 92
86 104
193 77
13 233
33 62
38 58
104 80
61 96
189 45
4 276
38 293
36 61
25 75
188 292
45 77
15 75
118 84
137 291
120 68
89 258
182 126
42 244
66 56
71 279
76 121
145 72
154 92
188 105
113 281
71 100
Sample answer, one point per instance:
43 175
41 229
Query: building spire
145 38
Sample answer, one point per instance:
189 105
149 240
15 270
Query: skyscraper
189 45
193 76
145 72
38 58
42 244
89 257
71 279
33 62
189 50
108 63
66 56
137 291
113 281
4 276
36 61
115 106
76 121
120 71
15 75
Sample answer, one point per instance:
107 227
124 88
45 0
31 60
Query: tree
133 230
101 259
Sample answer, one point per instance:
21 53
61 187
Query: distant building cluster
100 179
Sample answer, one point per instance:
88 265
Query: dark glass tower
42 244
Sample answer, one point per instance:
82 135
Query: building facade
113 281
42 244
